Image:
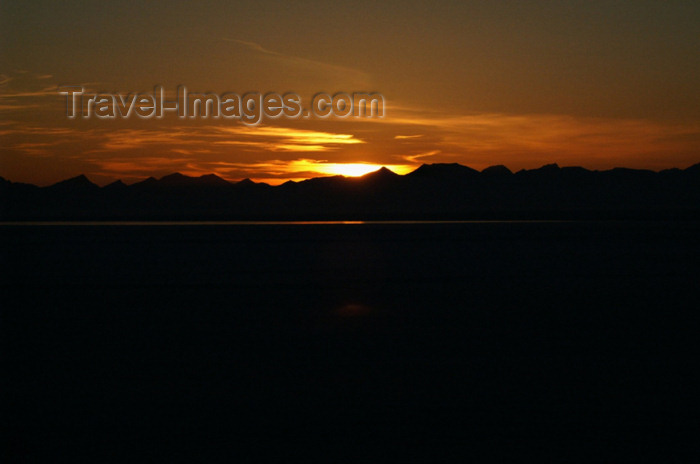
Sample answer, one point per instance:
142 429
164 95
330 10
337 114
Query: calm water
325 341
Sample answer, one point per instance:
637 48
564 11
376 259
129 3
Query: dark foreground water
350 342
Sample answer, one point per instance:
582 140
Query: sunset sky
592 83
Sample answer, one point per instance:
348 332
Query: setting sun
344 169
348 169
359 169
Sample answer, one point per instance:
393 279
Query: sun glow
344 169
347 169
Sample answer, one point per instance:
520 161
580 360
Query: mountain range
431 192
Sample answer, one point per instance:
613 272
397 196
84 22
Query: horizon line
382 168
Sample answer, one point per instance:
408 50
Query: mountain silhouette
444 171
78 184
383 173
498 170
213 180
180 180
432 191
245 183
116 186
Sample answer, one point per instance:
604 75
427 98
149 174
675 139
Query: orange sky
597 83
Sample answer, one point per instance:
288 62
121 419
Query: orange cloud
527 140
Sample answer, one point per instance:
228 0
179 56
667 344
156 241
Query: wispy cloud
404 137
23 90
287 139
532 138
194 139
417 158
332 74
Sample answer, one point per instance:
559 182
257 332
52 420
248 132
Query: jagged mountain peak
77 182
